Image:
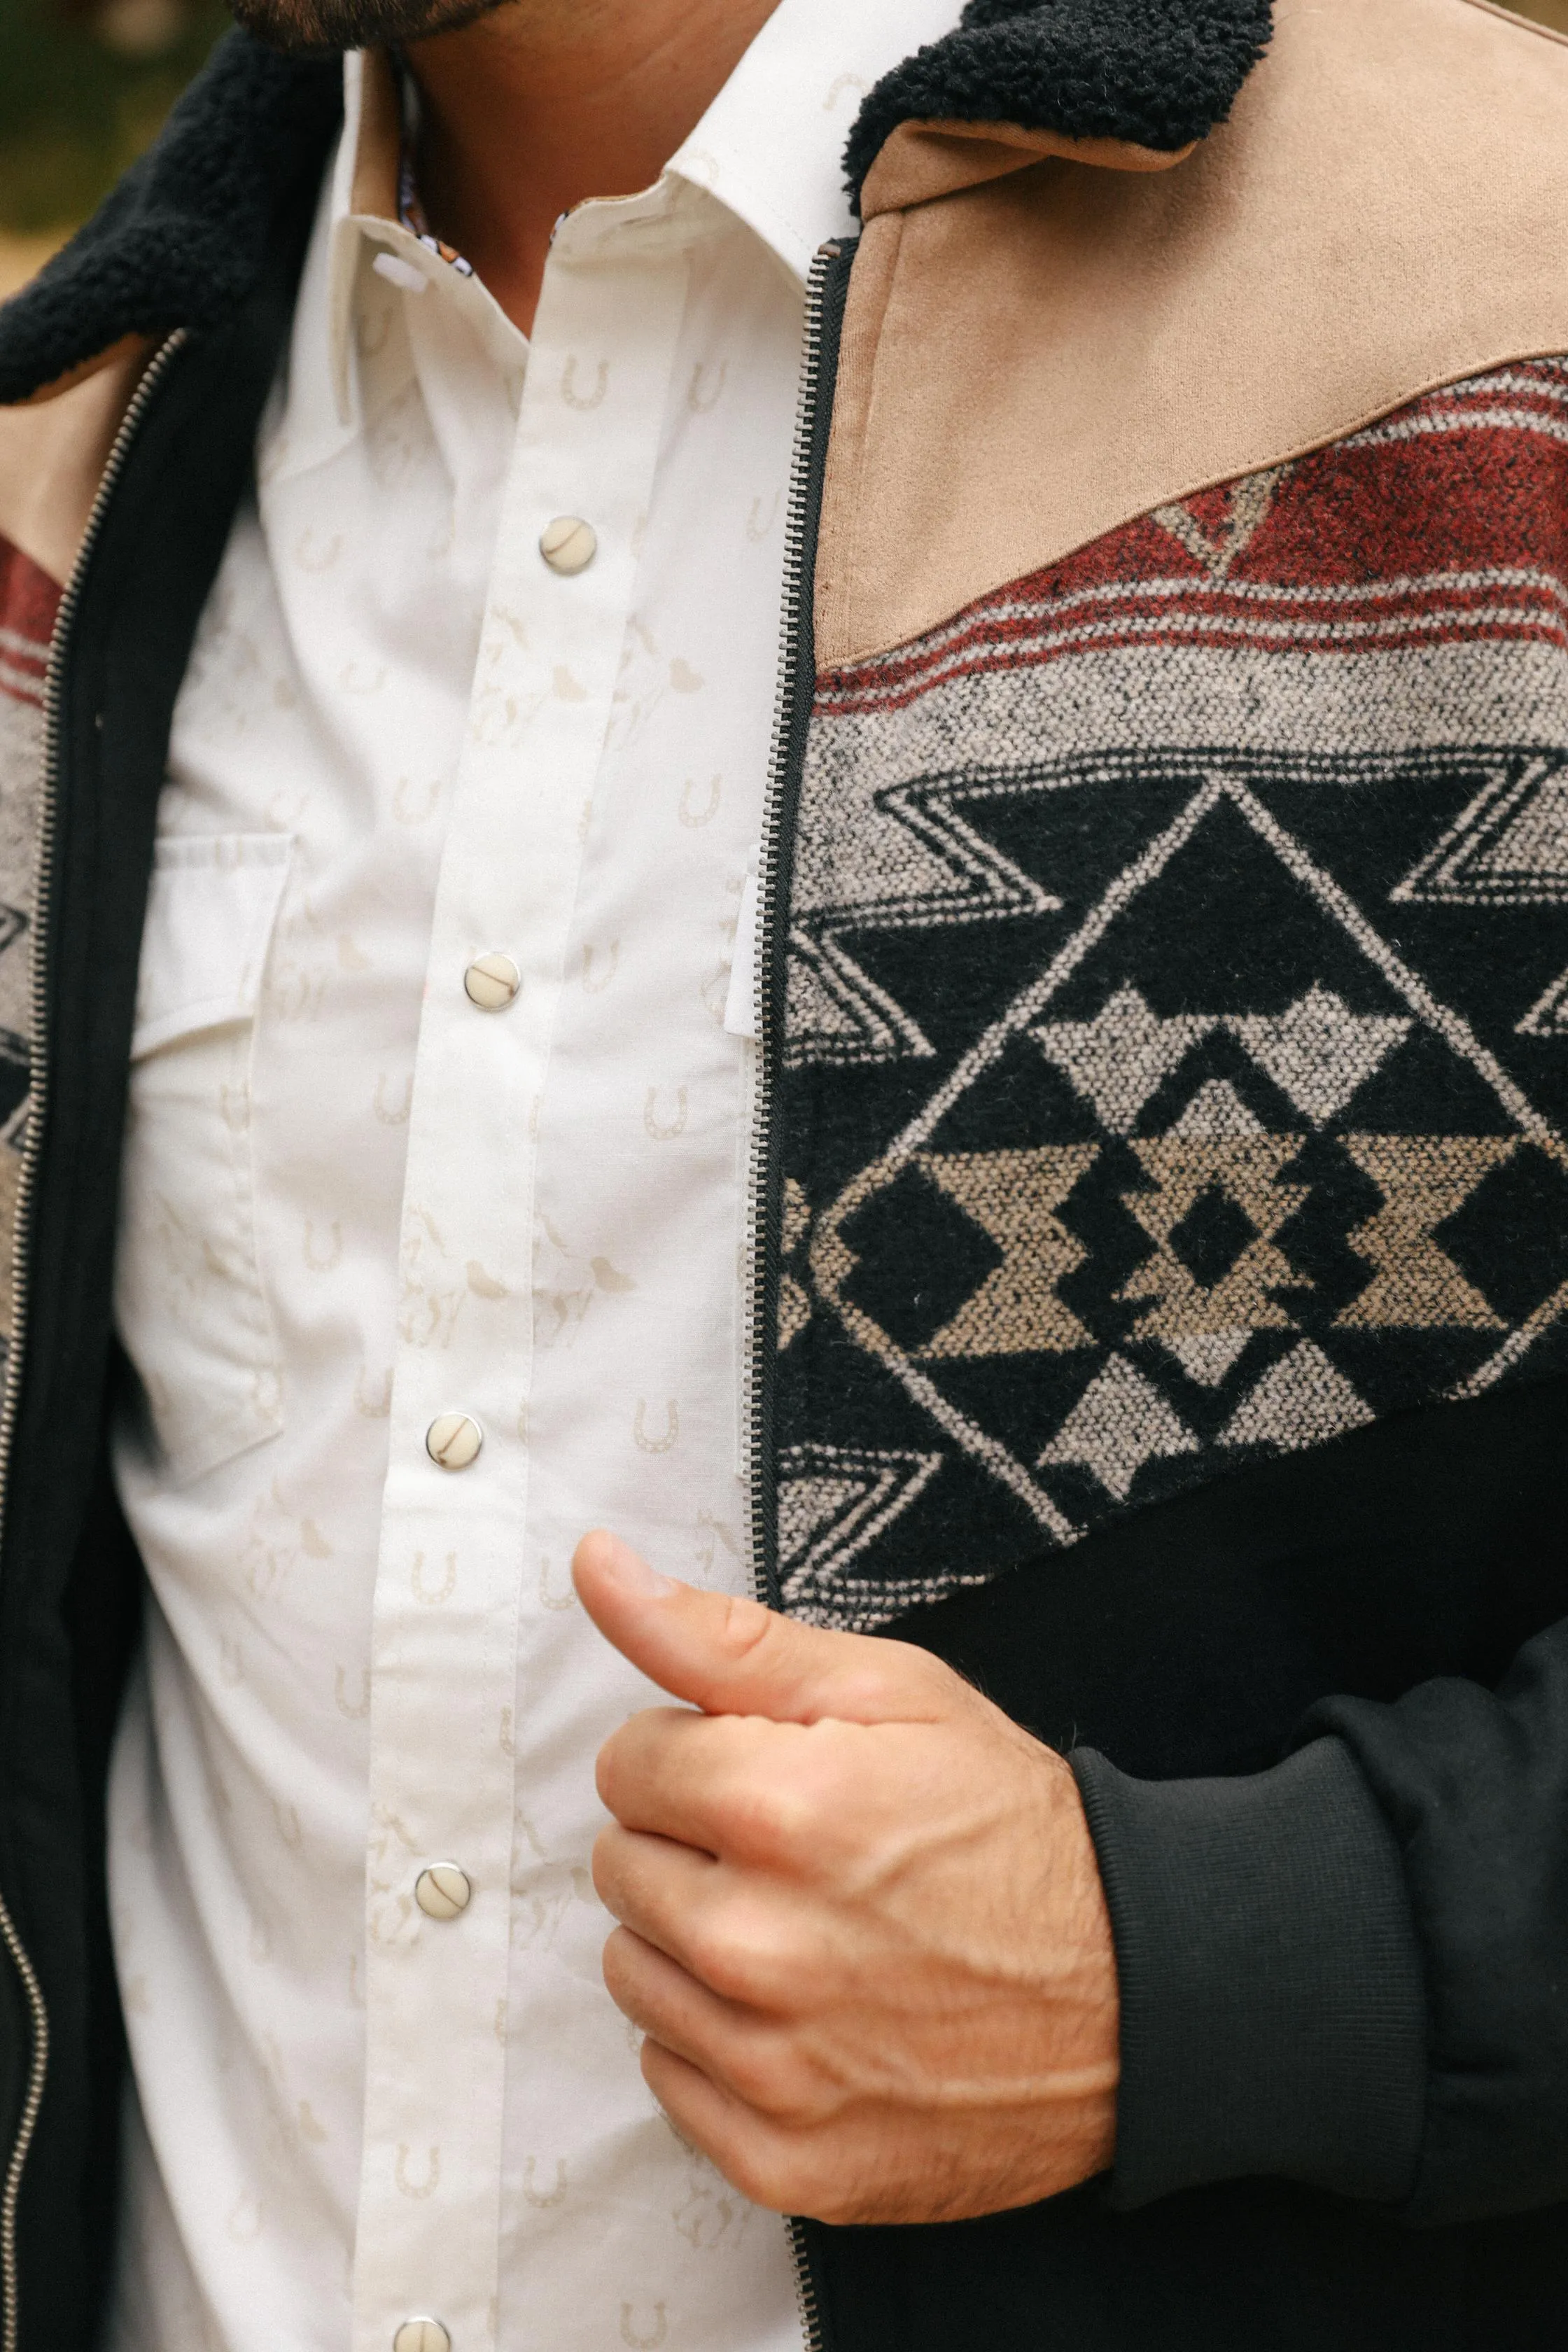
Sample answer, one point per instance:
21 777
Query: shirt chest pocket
189 1303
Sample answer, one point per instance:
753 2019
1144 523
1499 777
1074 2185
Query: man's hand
862 1926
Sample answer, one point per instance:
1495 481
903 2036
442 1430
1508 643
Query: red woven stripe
1497 611
1446 522
29 599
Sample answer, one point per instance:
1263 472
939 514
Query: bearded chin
312 27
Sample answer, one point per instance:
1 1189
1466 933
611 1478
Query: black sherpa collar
1159 73
181 240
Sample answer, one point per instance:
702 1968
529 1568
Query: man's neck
540 104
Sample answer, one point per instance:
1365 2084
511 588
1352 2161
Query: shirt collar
770 146
363 203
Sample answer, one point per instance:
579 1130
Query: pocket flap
210 913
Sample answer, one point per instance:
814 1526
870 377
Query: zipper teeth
787 706
26 2127
805 2289
157 368
784 707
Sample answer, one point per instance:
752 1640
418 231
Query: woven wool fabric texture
1178 1018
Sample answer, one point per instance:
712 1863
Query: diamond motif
1242 1267
1212 1235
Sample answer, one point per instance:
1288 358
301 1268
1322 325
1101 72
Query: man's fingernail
632 1572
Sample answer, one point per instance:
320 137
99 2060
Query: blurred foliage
80 97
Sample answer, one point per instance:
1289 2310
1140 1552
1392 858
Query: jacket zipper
795 693
140 400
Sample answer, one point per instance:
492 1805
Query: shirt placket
454 1521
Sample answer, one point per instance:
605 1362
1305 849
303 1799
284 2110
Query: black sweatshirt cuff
1272 2011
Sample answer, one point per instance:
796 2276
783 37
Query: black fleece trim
1273 2017
182 241
1158 72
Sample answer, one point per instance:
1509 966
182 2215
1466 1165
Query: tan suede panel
52 455
842 556
925 160
1043 357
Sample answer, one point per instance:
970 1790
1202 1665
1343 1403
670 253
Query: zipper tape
824 293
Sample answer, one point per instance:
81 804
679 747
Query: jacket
1160 1266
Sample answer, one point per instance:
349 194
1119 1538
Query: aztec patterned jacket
1161 1280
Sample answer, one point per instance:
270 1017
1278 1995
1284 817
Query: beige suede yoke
1038 349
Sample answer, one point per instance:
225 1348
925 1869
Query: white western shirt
355 1202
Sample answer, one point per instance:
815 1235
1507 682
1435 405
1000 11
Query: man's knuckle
775 1819
711 1954
754 2077
769 2078
765 2174
736 1953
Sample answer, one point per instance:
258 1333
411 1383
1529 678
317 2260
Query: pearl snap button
422 2336
491 981
454 1439
443 1890
568 544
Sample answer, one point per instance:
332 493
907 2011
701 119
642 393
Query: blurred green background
84 85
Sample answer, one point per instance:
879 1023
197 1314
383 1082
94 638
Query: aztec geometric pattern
28 602
1178 1023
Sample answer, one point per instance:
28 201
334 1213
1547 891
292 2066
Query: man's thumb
732 1657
